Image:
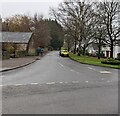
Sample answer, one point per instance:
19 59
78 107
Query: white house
92 48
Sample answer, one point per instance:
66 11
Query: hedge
111 62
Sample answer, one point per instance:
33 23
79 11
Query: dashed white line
72 70
2 76
102 72
61 64
105 72
92 68
109 81
75 81
50 83
33 83
86 81
60 82
18 84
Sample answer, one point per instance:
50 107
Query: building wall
116 51
31 48
21 47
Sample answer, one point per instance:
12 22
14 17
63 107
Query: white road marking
1 76
91 68
50 83
60 82
86 81
61 64
102 72
72 70
1 85
75 81
105 72
33 83
18 84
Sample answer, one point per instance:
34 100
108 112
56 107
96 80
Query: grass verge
91 60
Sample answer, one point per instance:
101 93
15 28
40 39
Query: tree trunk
99 48
83 51
79 49
111 50
75 47
68 46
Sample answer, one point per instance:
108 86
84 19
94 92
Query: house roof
15 37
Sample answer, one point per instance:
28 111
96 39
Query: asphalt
57 84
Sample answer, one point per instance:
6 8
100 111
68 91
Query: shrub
11 49
111 62
118 56
21 53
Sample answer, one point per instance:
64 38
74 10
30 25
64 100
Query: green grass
91 60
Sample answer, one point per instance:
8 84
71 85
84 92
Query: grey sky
12 8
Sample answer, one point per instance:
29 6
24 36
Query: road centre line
50 83
86 81
60 82
60 64
1 76
72 70
18 84
102 72
75 81
105 72
33 83
92 68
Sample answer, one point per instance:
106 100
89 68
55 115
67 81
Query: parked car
64 53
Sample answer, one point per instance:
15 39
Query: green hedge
111 61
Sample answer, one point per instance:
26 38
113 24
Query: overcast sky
11 7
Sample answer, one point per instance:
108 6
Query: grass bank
91 60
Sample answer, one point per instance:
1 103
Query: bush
10 49
87 53
111 62
21 53
102 55
118 56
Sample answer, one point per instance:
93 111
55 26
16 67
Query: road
59 85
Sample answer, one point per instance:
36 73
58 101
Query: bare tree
77 19
108 12
65 15
41 33
17 23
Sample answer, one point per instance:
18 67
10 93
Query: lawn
91 60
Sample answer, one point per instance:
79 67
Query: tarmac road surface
58 85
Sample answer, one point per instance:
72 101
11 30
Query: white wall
116 51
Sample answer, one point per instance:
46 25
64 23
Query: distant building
105 49
92 49
20 41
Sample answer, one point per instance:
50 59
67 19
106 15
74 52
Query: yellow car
64 53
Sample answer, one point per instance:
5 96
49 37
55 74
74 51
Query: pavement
59 85
14 63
